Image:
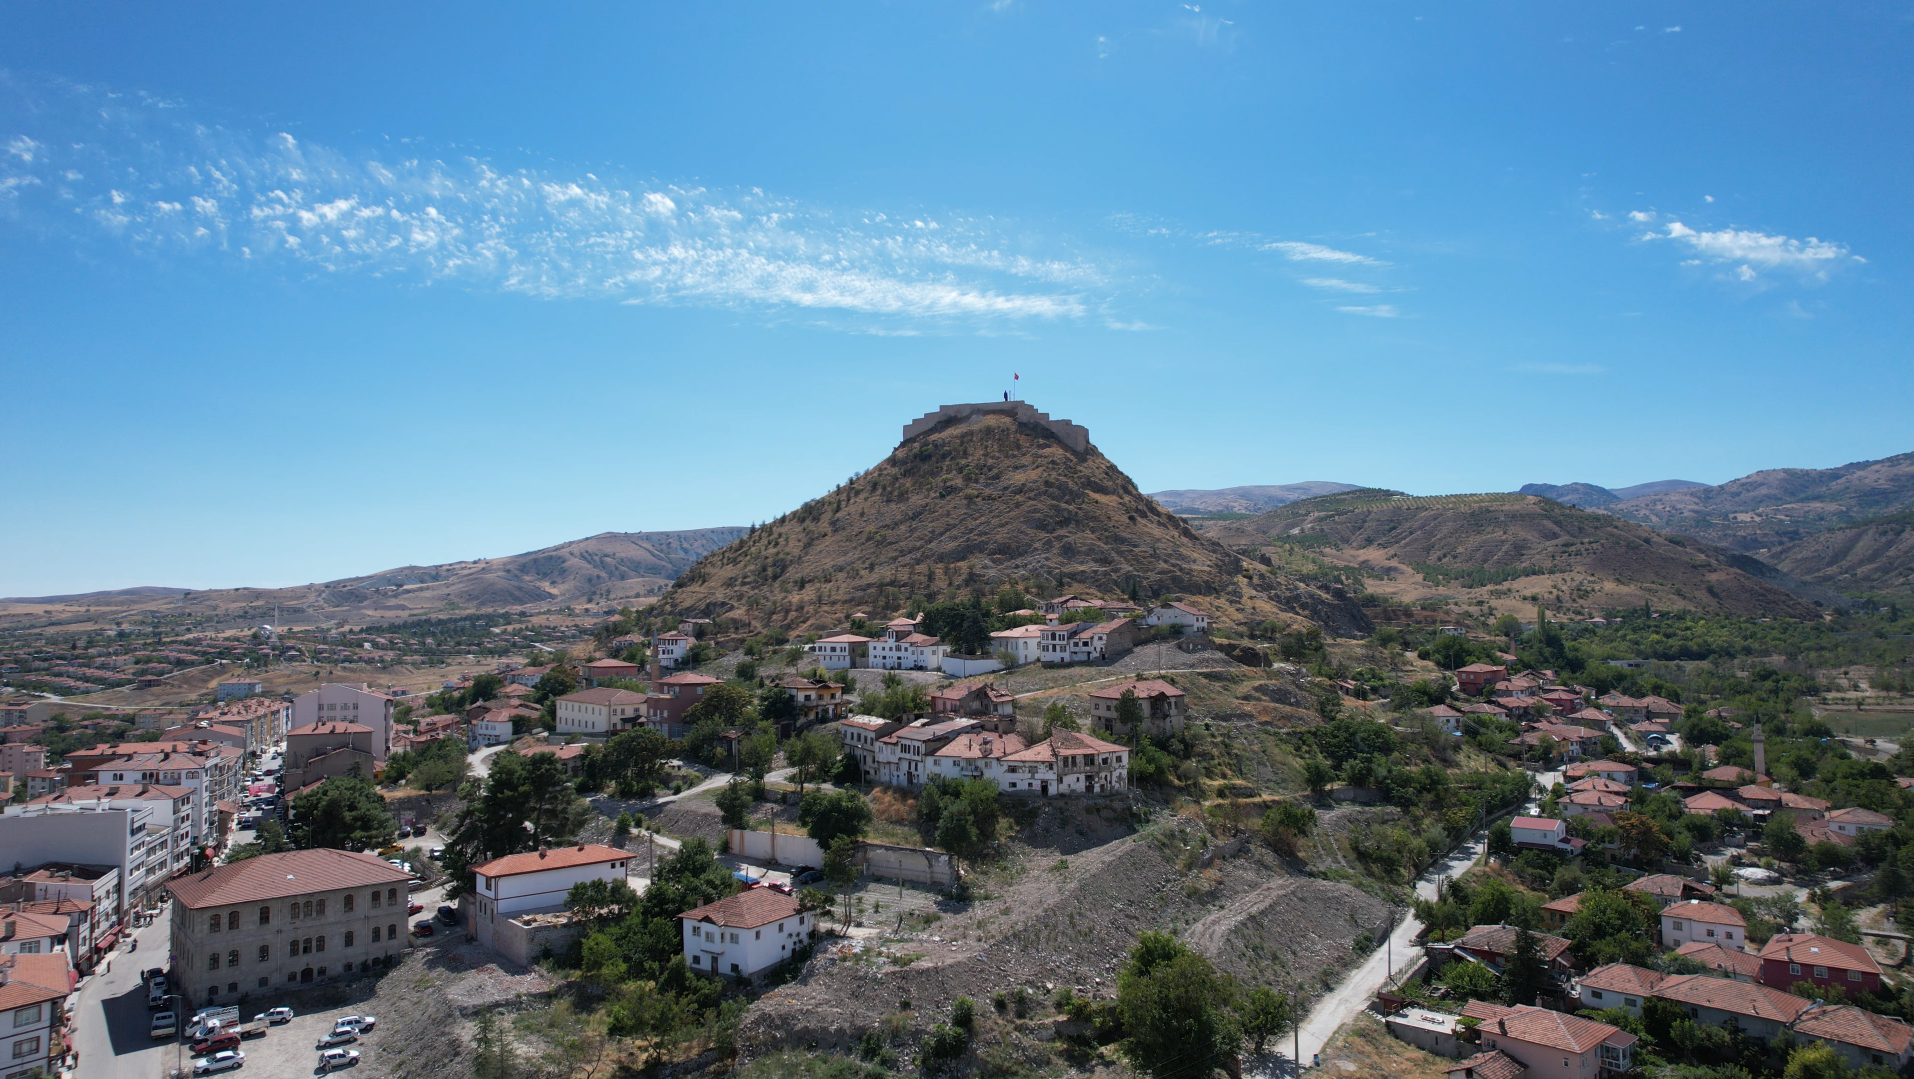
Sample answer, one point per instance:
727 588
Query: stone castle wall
1070 434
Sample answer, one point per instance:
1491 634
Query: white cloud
1756 252
208 191
1304 252
1337 284
1560 368
1381 310
1138 326
1671 29
1640 216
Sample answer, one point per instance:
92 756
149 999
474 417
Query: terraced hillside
1510 550
979 504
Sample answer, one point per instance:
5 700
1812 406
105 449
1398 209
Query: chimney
541 852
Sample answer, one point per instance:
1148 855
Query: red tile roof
1623 978
537 861
1491 1065
1815 950
748 909
1569 1033
975 746
26 980
604 696
1695 910
273 876
1737 998
1667 886
329 727
1850 1025
1150 687
1717 957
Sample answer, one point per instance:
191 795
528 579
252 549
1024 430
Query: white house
669 648
903 756
1020 641
341 703
1618 985
1855 820
1184 617
1697 921
742 935
1066 763
34 934
1546 833
494 728
33 1019
599 711
838 653
860 735
902 648
535 881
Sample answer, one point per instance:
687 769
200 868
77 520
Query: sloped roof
1816 950
1730 773
1850 1025
328 727
1696 910
1709 801
604 695
27 926
1667 886
1500 940
1569 1033
1494 1064
1857 815
1717 957
748 909
33 979
274 876
1737 998
976 745
537 861
1623 978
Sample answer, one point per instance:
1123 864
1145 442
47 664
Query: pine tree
1523 975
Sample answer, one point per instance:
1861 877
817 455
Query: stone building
282 920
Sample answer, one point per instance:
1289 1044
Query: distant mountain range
1588 496
1245 499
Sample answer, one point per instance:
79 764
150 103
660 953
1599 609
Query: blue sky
293 294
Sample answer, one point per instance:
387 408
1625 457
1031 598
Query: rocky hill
611 567
1246 499
1510 550
1768 510
1588 495
1875 555
980 500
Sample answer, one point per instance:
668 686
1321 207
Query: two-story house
743 935
1165 707
602 711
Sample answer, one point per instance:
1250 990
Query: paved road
1359 987
112 1026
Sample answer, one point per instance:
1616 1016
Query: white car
360 1023
225 1060
1756 875
274 1016
165 1024
334 1059
339 1036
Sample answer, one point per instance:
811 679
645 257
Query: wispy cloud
1381 310
1560 368
1137 326
1747 253
1294 250
1302 252
1337 284
121 167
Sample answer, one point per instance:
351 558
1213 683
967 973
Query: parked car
275 1016
436 853
222 1040
781 886
360 1023
151 974
448 914
219 1062
811 876
415 908
422 929
165 1024
156 995
338 1036
334 1059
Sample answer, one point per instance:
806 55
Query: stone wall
1070 434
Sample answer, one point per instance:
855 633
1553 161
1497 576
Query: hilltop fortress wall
1070 434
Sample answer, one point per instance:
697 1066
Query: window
759 935
392 932
212 926
1794 968
375 934
1711 932
375 898
322 943
1596 993
1820 972
232 919
1854 975
348 901
292 911
262 981
1678 924
232 960
26 1047
697 960
348 938
31 947
265 915
265 953
308 911
305 946
391 896
322 908
26 1017
212 961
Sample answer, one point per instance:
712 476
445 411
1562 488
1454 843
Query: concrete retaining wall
928 867
527 944
780 849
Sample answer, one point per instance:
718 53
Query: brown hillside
1872 556
980 503
1508 549
1767 510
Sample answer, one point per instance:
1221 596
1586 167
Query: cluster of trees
430 767
1181 1018
342 813
523 804
897 698
960 815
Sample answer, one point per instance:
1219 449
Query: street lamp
179 1043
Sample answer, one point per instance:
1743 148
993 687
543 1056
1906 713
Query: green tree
1524 975
602 962
484 687
1265 1013
1837 921
525 802
632 763
1614 927
1641 837
828 815
1129 715
811 754
553 684
621 828
1318 774
271 837
1285 825
840 861
734 804
725 704
1056 717
491 1050
957 831
1471 980
1782 840
1816 1060
757 752
1177 1011
343 813
777 707
1501 839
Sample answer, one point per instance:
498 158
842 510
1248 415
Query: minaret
1760 751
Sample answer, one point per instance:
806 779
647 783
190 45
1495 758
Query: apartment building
339 702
